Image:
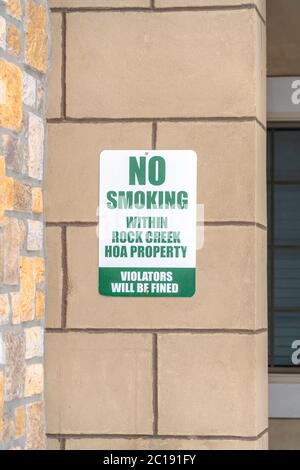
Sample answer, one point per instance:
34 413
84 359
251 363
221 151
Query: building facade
205 372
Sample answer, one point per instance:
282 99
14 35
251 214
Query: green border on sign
184 278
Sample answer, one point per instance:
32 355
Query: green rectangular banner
128 282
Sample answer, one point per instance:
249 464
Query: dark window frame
272 127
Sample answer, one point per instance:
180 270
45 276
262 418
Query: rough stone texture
20 421
15 365
37 200
22 197
4 309
29 89
14 40
34 380
35 146
14 8
36 439
36 53
11 105
55 89
24 37
35 235
11 149
34 342
2 36
23 302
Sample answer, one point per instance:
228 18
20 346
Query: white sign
147 226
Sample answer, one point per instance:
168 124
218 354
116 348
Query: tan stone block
34 380
1 393
231 264
14 40
23 302
36 51
114 373
54 80
70 147
284 434
11 105
14 342
231 166
11 242
225 402
8 427
165 444
261 4
22 196
35 235
36 437
55 277
2 189
40 305
98 3
34 158
37 200
39 269
14 8
34 342
4 309
171 76
53 444
10 189
283 35
20 421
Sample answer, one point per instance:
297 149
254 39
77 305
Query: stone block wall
24 46
161 373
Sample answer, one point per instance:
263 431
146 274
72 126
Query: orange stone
11 96
39 269
20 421
4 308
14 8
1 403
40 305
2 189
9 193
14 40
37 200
23 302
36 52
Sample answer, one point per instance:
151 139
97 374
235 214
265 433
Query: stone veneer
23 66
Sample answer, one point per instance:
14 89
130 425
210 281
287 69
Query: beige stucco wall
158 373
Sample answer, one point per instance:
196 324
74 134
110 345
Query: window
284 247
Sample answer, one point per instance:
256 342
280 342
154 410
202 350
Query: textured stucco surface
166 74
24 49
